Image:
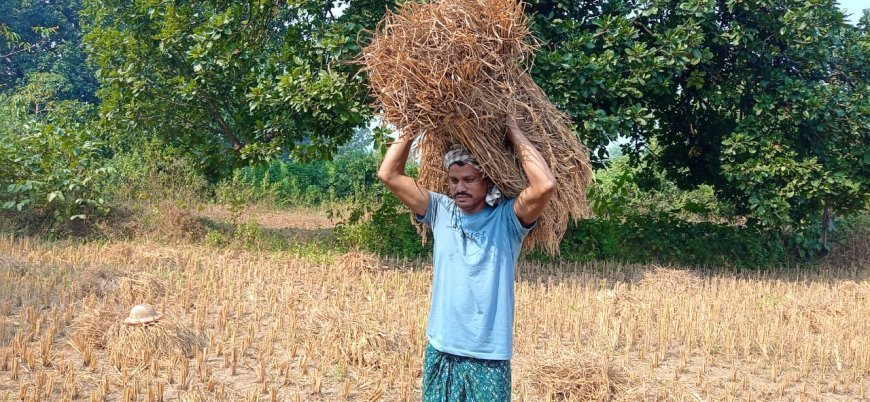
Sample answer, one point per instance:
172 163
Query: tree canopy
765 100
44 37
234 82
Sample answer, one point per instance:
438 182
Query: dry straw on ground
576 378
453 70
116 293
357 260
280 326
91 324
166 339
139 288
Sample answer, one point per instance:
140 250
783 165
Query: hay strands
452 71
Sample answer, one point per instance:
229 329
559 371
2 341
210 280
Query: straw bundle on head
454 70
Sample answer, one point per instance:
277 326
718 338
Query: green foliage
856 225
649 238
233 83
377 222
642 217
382 226
348 177
215 238
236 193
43 36
60 173
622 189
153 172
51 164
248 234
764 101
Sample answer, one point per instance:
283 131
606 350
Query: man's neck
475 209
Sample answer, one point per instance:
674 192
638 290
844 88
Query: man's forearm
392 173
532 201
395 160
534 165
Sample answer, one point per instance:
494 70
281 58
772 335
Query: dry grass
574 377
356 260
275 326
139 344
179 223
451 71
93 320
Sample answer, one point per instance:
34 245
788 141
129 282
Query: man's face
467 187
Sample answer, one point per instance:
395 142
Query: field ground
248 325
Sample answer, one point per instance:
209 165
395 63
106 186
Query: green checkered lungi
452 378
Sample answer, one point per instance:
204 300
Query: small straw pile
580 378
138 344
91 324
674 280
453 70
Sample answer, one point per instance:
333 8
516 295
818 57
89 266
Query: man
470 327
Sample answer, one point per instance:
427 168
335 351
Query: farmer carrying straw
478 238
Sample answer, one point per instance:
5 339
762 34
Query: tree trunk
826 223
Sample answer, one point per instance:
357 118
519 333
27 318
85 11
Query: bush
664 238
53 171
155 172
382 226
622 189
645 217
236 193
52 159
349 176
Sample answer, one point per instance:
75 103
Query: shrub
622 189
51 171
648 238
382 225
349 176
153 171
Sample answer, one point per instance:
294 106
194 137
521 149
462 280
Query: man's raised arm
392 174
531 201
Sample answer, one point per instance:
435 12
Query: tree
51 162
43 36
232 82
765 100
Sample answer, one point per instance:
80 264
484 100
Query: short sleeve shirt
475 258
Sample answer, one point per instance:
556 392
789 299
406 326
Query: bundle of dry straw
586 377
138 344
454 70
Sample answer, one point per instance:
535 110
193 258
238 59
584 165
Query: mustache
461 193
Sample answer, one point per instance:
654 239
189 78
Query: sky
854 7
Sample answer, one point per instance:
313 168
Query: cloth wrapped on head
458 153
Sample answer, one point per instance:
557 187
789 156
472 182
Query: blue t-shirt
472 311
